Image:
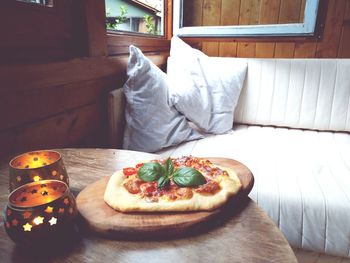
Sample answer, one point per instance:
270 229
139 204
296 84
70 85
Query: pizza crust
117 197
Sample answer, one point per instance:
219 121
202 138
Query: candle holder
36 166
40 213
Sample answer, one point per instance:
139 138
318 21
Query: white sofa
291 128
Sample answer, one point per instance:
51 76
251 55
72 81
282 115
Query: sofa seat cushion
302 179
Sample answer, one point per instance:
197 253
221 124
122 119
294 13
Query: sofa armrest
116 118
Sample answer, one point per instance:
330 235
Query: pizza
174 184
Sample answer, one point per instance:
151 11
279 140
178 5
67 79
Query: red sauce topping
151 193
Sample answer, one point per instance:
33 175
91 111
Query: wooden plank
193 13
30 105
269 11
264 50
229 16
227 49
249 15
25 34
19 77
211 11
119 44
305 50
95 27
230 12
328 47
211 48
289 11
344 50
284 50
168 16
85 126
246 50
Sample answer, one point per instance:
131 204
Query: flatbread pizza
174 184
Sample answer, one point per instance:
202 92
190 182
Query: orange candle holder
36 166
40 213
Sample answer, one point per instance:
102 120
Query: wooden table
246 235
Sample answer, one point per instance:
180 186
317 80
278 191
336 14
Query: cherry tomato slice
129 171
138 165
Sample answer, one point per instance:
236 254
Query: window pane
140 16
39 2
247 12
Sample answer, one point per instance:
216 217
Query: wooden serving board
100 218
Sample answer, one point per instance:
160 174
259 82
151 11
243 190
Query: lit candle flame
36 178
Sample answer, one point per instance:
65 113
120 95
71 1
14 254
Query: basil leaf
169 166
187 176
150 172
163 182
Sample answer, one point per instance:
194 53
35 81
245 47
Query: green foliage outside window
112 23
150 25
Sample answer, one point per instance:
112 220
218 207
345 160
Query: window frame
306 29
118 41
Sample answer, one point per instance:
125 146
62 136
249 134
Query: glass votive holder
40 213
36 166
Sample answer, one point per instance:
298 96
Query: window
39 2
248 18
137 16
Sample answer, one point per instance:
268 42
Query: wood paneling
95 28
59 104
329 45
36 33
334 18
344 46
52 102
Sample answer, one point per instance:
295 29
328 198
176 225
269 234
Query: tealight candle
36 166
40 211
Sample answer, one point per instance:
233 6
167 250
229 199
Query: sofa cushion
301 179
204 89
298 93
151 123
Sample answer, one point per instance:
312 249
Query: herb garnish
183 176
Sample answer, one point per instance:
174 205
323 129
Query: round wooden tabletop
244 234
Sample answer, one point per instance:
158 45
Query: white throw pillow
204 89
151 124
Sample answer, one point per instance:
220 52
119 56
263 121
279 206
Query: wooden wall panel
328 47
344 46
334 42
59 104
80 127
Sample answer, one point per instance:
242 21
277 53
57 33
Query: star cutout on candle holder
38 220
36 178
18 178
62 176
27 227
54 173
26 215
34 191
49 209
44 193
53 221
14 222
61 210
66 201
23 199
